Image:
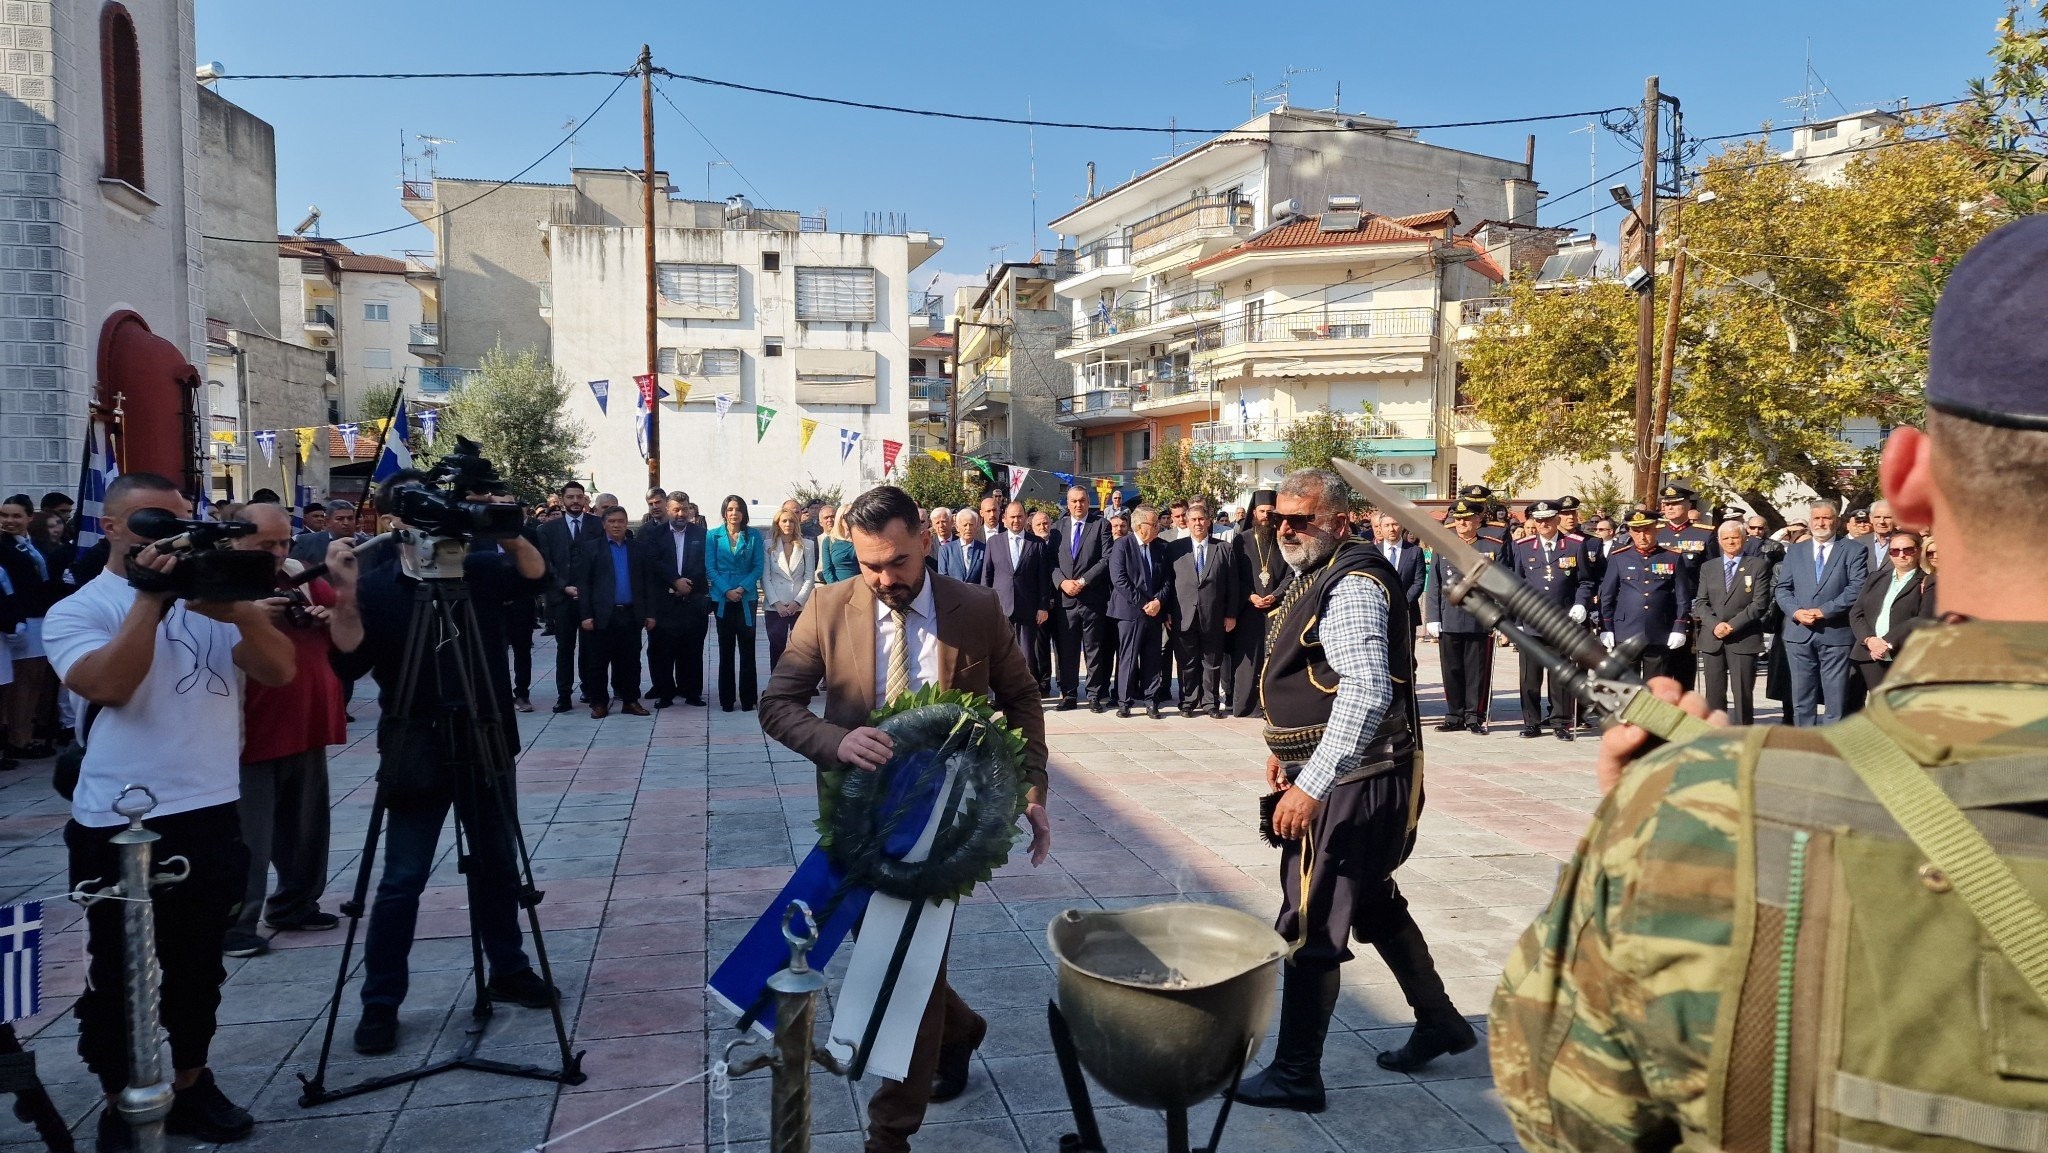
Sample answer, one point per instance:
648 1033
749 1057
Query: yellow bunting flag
682 392
224 437
306 436
937 455
805 426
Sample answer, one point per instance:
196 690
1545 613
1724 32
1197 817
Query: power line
708 143
1789 256
446 212
425 75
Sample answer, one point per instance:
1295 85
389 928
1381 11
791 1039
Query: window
698 362
376 310
121 95
1137 448
376 358
771 262
917 366
1098 453
843 295
771 346
1827 133
710 286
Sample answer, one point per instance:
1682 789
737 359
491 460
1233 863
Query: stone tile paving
657 843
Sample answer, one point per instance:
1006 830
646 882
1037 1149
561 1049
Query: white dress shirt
923 623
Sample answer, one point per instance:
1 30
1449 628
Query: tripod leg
355 908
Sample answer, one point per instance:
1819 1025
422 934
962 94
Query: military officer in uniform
1762 942
1572 527
1694 544
1493 515
1464 648
1645 596
1556 569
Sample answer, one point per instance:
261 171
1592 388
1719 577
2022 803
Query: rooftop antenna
1592 131
430 148
570 126
1253 82
1278 94
1814 93
1172 140
1031 147
1337 101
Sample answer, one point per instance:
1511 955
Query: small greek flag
21 953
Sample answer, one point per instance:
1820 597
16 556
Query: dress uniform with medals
1647 593
1594 562
1464 647
1555 567
1694 545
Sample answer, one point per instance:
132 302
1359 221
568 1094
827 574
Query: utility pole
653 416
1661 408
1646 315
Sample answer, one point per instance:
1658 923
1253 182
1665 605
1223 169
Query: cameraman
418 783
161 677
285 734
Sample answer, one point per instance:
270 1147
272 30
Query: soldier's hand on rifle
1578 614
1607 639
1621 742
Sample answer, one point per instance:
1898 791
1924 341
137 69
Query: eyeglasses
1295 521
1754 530
1909 550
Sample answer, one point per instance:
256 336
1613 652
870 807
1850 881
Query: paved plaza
659 841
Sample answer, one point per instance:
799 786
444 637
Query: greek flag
396 455
21 950
98 472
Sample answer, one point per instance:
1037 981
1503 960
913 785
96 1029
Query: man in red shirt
285 734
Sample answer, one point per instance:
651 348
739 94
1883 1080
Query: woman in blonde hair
791 570
836 561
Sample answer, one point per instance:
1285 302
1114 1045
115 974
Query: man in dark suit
1081 624
1464 646
565 543
614 607
1205 606
1141 595
1262 576
677 588
1017 568
964 557
1816 587
1733 600
1391 541
1555 568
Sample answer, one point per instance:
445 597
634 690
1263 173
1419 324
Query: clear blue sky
1732 62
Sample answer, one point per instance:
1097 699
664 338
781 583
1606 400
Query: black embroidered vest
1298 688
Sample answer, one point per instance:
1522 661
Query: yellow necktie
899 657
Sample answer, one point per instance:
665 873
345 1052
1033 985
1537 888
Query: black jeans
613 649
736 655
520 640
568 618
192 919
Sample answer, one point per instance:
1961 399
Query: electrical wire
447 212
1789 256
426 75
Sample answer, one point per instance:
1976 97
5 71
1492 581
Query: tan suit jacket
834 642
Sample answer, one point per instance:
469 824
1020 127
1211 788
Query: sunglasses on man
1295 521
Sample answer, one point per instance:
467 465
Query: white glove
1578 614
1675 641
1435 629
1608 640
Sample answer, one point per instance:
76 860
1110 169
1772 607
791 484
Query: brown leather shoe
599 712
950 1079
635 709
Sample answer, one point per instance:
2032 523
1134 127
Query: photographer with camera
420 779
160 676
285 734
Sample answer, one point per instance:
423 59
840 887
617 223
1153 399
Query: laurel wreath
933 730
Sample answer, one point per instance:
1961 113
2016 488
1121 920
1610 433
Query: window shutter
713 286
721 361
845 295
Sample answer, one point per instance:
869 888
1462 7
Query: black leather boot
1295 1078
1439 1027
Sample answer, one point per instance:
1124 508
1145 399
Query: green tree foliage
513 406
935 485
1184 471
1316 438
810 490
374 402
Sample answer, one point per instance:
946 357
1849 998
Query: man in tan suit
852 636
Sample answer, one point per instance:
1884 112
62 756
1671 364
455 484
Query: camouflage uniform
1604 1025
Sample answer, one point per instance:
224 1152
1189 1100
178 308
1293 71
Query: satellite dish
311 221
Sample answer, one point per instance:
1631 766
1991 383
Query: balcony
417 197
320 321
1207 223
988 392
927 311
424 339
928 397
1265 437
422 266
1092 407
442 381
1222 432
1175 392
1098 264
1476 311
1139 317
1325 340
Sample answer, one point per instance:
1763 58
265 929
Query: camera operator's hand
649 622
274 609
155 561
342 565
589 626
569 591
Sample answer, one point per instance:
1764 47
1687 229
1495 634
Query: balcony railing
984 388
1094 402
926 306
1135 310
1329 324
417 190
931 388
1476 311
1108 252
424 336
319 318
1205 215
441 381
1171 384
419 263
1267 428
1106 374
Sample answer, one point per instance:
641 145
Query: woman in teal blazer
836 561
734 560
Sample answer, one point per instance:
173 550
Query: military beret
1567 503
1987 363
1640 518
1543 510
1476 492
1462 507
1674 492
1265 496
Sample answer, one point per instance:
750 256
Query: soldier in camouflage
1754 947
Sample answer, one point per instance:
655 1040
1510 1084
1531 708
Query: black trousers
1467 661
1140 649
1247 661
1359 838
736 661
1680 664
192 919
1719 667
568 618
520 641
675 656
1201 654
1080 630
1534 715
613 649
1029 637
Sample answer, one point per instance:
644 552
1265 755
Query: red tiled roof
1306 232
346 258
1430 221
936 341
1481 263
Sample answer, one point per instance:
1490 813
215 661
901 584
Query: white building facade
363 311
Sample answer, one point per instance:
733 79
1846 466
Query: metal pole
653 340
796 991
1646 304
1661 408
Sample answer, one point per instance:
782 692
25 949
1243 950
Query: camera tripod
443 641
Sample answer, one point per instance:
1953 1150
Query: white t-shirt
181 733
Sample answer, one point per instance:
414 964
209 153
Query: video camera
207 569
435 503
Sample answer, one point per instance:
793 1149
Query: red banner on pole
891 449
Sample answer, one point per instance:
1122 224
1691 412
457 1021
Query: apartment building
1824 149
1011 383
362 312
1139 315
